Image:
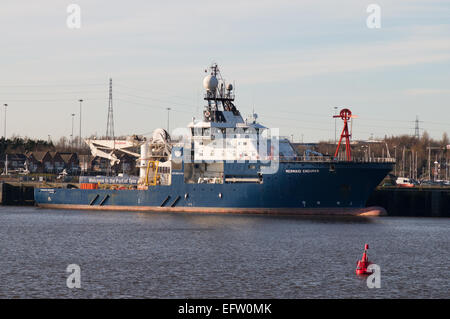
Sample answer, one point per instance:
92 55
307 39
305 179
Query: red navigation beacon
345 115
361 265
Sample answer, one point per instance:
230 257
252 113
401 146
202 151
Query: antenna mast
417 129
110 124
217 94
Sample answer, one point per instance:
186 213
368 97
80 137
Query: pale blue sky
293 61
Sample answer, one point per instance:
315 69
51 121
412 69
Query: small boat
404 182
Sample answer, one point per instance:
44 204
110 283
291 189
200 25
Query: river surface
173 255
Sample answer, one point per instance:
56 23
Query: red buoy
361 265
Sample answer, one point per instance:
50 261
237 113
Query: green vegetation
22 145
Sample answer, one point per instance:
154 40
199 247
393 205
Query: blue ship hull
317 187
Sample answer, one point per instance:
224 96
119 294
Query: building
71 162
15 162
42 162
58 162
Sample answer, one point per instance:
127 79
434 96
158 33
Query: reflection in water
185 255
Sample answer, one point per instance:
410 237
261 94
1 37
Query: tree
425 138
445 140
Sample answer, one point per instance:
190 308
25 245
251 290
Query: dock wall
413 202
16 194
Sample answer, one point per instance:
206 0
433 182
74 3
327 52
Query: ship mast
220 97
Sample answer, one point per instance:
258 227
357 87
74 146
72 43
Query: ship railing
336 160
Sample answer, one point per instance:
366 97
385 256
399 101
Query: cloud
164 45
422 91
285 66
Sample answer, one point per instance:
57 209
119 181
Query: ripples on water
151 255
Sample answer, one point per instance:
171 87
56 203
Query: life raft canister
361 265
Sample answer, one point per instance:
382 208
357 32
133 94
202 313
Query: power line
150 91
151 106
48 100
50 85
155 99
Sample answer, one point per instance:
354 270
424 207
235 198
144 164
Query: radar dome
210 83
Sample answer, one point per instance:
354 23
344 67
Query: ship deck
330 159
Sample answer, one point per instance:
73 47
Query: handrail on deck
336 159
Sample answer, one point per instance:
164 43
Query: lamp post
79 144
395 156
168 110
436 172
335 137
4 128
71 136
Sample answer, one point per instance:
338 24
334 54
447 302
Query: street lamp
81 101
168 110
395 156
4 128
436 172
335 137
71 136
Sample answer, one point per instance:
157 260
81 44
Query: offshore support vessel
224 163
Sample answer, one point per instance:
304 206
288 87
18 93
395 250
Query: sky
291 61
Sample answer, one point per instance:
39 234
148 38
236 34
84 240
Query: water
151 255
